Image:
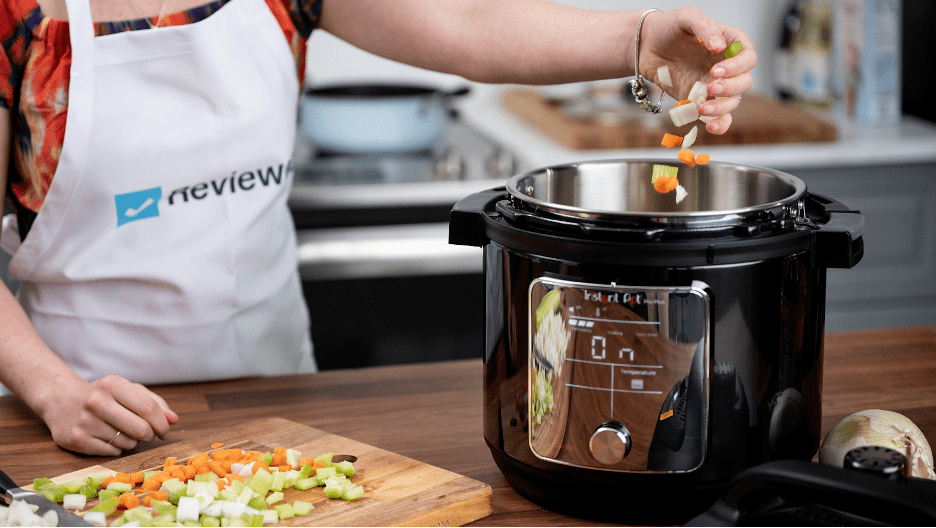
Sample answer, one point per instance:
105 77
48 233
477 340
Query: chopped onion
690 138
875 427
663 76
680 193
699 92
684 114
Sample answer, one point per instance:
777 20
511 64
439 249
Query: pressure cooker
641 351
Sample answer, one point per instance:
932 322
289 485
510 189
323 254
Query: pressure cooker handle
465 228
838 242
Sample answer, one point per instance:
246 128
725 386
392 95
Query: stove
382 283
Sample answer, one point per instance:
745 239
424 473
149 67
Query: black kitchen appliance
640 352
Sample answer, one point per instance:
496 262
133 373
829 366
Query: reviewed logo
137 205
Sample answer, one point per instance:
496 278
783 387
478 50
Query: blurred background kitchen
843 98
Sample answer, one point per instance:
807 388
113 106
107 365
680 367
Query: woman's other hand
692 45
86 417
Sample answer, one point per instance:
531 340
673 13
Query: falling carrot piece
665 184
683 102
687 156
671 140
702 159
217 445
128 500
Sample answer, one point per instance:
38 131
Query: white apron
164 250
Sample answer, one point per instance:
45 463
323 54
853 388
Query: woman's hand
692 45
86 417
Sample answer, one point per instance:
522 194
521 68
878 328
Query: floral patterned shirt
34 75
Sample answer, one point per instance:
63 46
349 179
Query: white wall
332 60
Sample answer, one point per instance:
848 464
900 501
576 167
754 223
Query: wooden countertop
432 412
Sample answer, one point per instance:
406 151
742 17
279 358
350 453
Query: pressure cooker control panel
619 375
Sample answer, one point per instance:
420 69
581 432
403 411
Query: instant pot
640 352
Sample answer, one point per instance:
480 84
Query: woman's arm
540 42
82 416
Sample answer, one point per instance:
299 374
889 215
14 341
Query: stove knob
610 443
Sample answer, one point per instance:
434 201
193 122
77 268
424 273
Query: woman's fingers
129 408
719 125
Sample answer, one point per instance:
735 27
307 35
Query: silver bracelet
637 83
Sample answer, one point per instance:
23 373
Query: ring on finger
111 441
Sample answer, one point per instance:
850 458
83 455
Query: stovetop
335 189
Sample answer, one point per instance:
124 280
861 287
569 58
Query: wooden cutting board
758 120
399 491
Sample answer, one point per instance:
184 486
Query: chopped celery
105 494
41 481
345 467
120 487
208 521
305 472
51 491
334 492
206 477
353 493
206 488
325 472
325 459
257 503
252 519
162 507
107 506
292 458
267 458
270 517
191 524
261 482
140 514
150 474
302 508
279 480
276 496
88 488
306 483
246 495
285 511
72 486
237 486
228 494
164 519
733 49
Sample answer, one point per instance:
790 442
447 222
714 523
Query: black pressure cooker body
641 352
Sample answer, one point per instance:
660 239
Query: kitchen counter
432 412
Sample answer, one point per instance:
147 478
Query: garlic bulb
875 427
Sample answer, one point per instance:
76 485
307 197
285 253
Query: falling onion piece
690 137
680 193
663 75
699 92
685 114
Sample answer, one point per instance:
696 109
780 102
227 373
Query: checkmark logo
137 205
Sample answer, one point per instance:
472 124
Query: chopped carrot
201 470
151 484
234 476
128 500
146 500
171 461
123 477
259 464
702 159
161 477
178 473
198 460
235 454
279 456
285 467
159 495
217 469
687 156
318 464
671 140
107 480
189 472
683 102
306 460
665 184
222 483
136 477
217 445
226 464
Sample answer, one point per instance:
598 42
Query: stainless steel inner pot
718 193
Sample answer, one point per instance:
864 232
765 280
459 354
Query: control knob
610 443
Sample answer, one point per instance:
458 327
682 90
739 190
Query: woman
146 150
